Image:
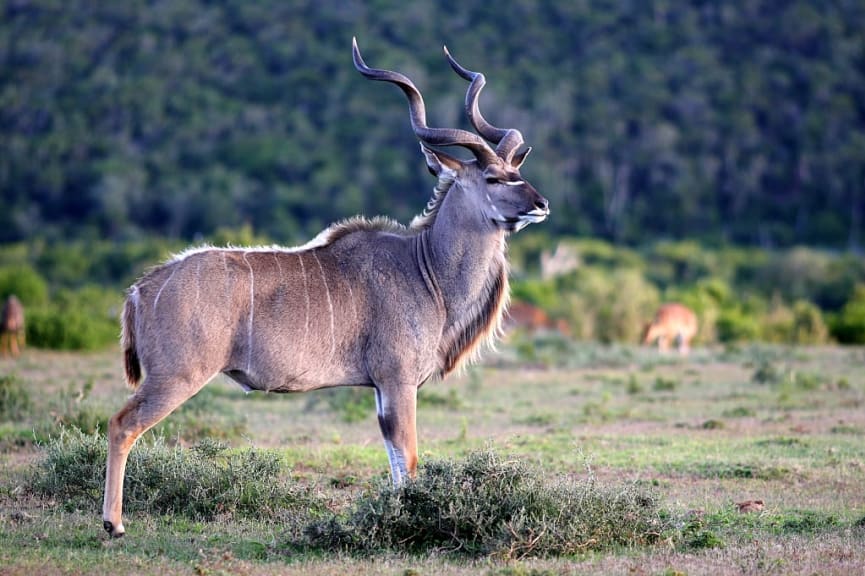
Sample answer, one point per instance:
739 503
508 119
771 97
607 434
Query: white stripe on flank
353 303
306 293
197 282
329 305
251 309
164 284
278 265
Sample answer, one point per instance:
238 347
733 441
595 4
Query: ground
722 426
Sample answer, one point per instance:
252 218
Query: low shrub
786 378
200 482
848 326
484 505
665 384
15 401
805 522
734 325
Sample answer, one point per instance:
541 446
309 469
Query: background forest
703 151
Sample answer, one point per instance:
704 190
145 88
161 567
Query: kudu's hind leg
153 401
13 339
396 408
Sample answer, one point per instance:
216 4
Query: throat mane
426 218
480 326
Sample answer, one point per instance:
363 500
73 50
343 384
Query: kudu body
12 333
673 324
366 303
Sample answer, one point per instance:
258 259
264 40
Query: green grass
700 434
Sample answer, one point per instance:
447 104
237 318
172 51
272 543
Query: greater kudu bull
365 303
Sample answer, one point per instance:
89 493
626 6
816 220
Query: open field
781 425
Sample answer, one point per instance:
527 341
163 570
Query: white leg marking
398 469
306 293
329 305
164 284
251 309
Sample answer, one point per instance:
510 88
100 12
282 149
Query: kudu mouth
517 223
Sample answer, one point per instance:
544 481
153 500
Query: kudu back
366 303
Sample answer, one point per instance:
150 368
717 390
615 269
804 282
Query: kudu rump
365 303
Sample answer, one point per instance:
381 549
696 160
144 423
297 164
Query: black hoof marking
109 527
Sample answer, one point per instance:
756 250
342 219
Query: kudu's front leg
396 406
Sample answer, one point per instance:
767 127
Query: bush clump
848 326
484 505
201 482
15 400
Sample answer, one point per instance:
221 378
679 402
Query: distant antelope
365 303
528 317
673 323
12 335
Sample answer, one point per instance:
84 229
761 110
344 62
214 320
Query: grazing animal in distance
524 316
365 303
674 323
749 506
12 330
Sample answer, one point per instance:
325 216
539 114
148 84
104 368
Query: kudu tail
131 362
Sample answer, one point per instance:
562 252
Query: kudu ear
438 162
520 158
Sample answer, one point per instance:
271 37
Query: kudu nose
542 204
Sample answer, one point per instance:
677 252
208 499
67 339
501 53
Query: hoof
118 532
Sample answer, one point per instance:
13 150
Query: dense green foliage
738 294
723 121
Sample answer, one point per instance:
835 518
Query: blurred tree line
722 122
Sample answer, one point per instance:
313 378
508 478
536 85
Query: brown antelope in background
365 303
524 316
12 334
673 323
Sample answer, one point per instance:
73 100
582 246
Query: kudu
674 323
365 303
12 334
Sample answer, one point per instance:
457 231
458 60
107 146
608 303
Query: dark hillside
737 122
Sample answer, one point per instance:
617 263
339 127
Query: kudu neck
464 250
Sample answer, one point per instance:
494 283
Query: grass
561 420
